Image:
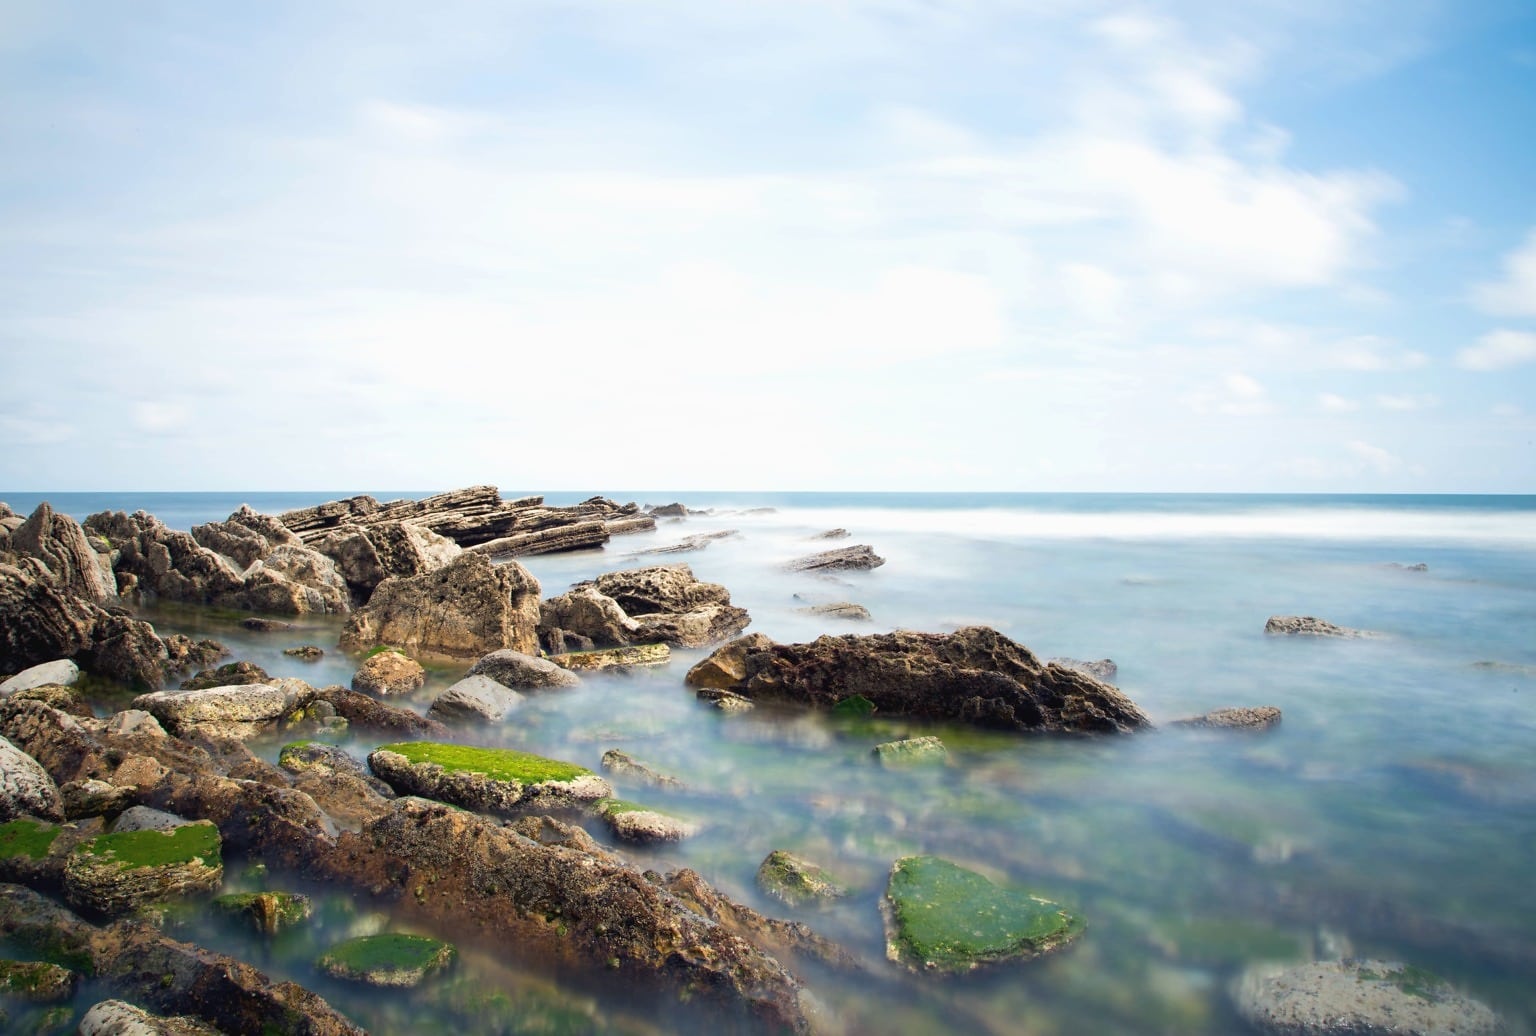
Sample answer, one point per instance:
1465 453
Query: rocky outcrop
120 1018
842 559
389 672
246 536
40 623
60 671
1309 626
1251 717
523 672
670 511
60 544
556 539
474 699
115 874
366 555
488 780
796 881
25 787
688 544
1358 996
464 610
662 604
975 675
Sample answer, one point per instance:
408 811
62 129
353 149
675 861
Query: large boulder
975 674
1363 997
522 672
239 712
662 604
366 555
475 699
247 536
589 613
40 623
61 672
294 580
489 780
25 787
389 672
464 610
58 542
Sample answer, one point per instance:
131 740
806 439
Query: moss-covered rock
268 912
636 823
796 881
1358 996
113 874
493 780
36 981
911 751
27 838
305 653
392 959
943 917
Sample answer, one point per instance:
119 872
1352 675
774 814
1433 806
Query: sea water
1391 815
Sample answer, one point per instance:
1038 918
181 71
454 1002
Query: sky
956 245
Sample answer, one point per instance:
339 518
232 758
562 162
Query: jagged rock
841 559
389 672
642 824
910 751
247 536
182 653
114 874
522 672
241 711
614 658
840 610
294 580
1358 996
228 675
1102 669
36 981
726 701
466 609
590 614
796 881
490 780
974 674
61 671
1308 626
727 666
942 917
688 544
93 798
268 912
126 650
25 787
257 624
59 543
40 623
366 555
1251 717
390 959
65 699
555 540
475 699
621 764
670 511
660 604
133 960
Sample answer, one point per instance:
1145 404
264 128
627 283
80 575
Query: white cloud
1382 461
1515 293
1334 404
1499 350
1407 401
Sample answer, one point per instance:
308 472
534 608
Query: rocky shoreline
487 843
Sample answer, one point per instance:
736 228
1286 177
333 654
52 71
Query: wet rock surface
1249 717
389 960
1309 626
624 766
796 881
634 822
490 780
974 675
844 559
1358 998
389 672
912 751
474 699
522 672
466 609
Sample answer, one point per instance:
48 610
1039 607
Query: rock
942 917
93 798
143 818
182 653
268 912
119 1018
65 699
365 556
307 653
256 624
831 534
391 959
1307 626
488 780
796 881
663 603
840 610
388 672
636 823
620 764
467 609
1357 996
861 557
914 750
126 650
475 699
59 543
228 675
115 874
669 511
318 757
61 671
133 960
522 672
974 674
40 623
363 713
1103 669
294 580
36 982
726 701
688 544
1253 717
239 712
246 537
614 658
631 525
1417 566
25 787
556 540
590 614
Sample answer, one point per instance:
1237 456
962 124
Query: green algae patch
615 807
1409 979
912 751
134 849
27 838
37 982
501 764
943 917
795 881
853 705
392 959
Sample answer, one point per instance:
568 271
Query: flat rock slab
489 780
636 823
390 960
942 917
120 1018
842 559
1358 998
1310 626
114 874
61 671
1248 717
912 751
615 658
475 699
240 711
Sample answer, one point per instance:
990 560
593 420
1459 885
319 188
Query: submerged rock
230 674
911 751
463 610
861 557
796 881
183 653
974 674
120 1018
257 624
36 981
621 764
389 672
490 780
114 874
306 653
61 671
942 917
1308 626
840 610
522 672
636 823
726 701
474 699
1364 997
1250 717
390 959
268 912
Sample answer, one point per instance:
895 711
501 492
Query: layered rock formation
465 610
662 604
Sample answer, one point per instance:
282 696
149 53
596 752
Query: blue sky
769 244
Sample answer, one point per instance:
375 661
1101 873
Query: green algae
502 764
133 849
795 881
390 959
1409 979
1212 941
853 705
947 918
27 838
36 981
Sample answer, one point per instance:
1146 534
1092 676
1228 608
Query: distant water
1392 814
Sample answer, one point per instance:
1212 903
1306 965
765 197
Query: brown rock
841 559
464 610
389 672
1253 717
58 542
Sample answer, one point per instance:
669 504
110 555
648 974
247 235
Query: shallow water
1392 812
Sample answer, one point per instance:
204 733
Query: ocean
1391 815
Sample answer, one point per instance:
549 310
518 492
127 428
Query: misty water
1391 815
